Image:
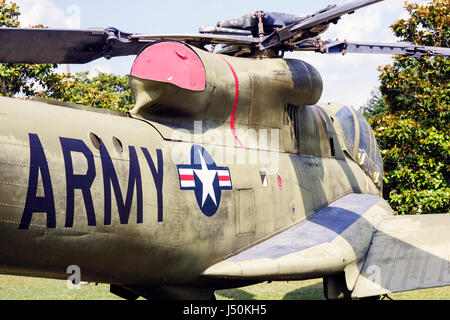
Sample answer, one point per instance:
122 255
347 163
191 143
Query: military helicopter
226 173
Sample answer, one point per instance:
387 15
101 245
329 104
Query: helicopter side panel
93 190
84 188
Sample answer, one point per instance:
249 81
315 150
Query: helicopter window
333 152
379 170
315 132
308 132
373 144
96 141
364 143
292 113
327 123
118 145
347 122
376 163
369 155
373 147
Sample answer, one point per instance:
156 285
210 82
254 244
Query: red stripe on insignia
187 178
224 178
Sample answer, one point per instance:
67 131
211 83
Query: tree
107 91
376 106
414 133
23 80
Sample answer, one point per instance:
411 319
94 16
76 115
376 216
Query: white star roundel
206 179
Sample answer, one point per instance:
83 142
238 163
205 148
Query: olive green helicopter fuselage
106 191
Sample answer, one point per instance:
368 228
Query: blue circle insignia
206 179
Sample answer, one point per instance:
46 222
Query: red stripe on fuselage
236 100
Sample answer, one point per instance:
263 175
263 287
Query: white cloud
347 79
93 71
97 69
49 14
369 24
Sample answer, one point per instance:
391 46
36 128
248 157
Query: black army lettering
46 205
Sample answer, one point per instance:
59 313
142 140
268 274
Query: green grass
294 290
19 288
313 290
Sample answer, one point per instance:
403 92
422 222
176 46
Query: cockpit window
369 156
368 153
364 141
379 170
345 117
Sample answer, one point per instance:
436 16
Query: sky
348 79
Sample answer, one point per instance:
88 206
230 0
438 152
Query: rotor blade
324 17
200 38
224 31
401 48
64 46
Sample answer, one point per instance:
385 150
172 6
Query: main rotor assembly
261 34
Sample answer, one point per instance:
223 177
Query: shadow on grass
311 292
236 294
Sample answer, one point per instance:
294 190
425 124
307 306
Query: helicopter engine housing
175 81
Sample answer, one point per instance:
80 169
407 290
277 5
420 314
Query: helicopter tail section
407 253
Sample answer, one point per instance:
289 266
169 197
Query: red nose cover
171 62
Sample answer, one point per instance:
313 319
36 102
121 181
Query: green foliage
105 91
376 106
9 14
23 80
414 133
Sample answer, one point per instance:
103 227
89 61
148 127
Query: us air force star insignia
206 179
